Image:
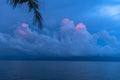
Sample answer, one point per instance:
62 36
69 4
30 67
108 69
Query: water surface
59 70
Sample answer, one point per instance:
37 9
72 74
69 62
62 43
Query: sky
70 28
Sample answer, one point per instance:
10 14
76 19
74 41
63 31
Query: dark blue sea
59 70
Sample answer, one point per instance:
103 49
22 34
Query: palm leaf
33 6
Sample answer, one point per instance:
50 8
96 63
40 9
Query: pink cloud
24 25
80 26
20 31
66 21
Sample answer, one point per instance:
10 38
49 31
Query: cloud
69 40
112 11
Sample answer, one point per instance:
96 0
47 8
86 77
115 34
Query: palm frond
33 6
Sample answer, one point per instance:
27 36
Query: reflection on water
59 70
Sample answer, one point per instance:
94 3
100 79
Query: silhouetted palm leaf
33 6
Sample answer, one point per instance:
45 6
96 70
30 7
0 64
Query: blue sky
100 18
92 13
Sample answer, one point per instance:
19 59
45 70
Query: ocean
59 70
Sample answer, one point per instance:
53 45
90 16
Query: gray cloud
69 40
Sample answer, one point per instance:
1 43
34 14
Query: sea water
59 70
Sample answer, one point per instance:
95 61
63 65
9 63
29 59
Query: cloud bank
71 40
